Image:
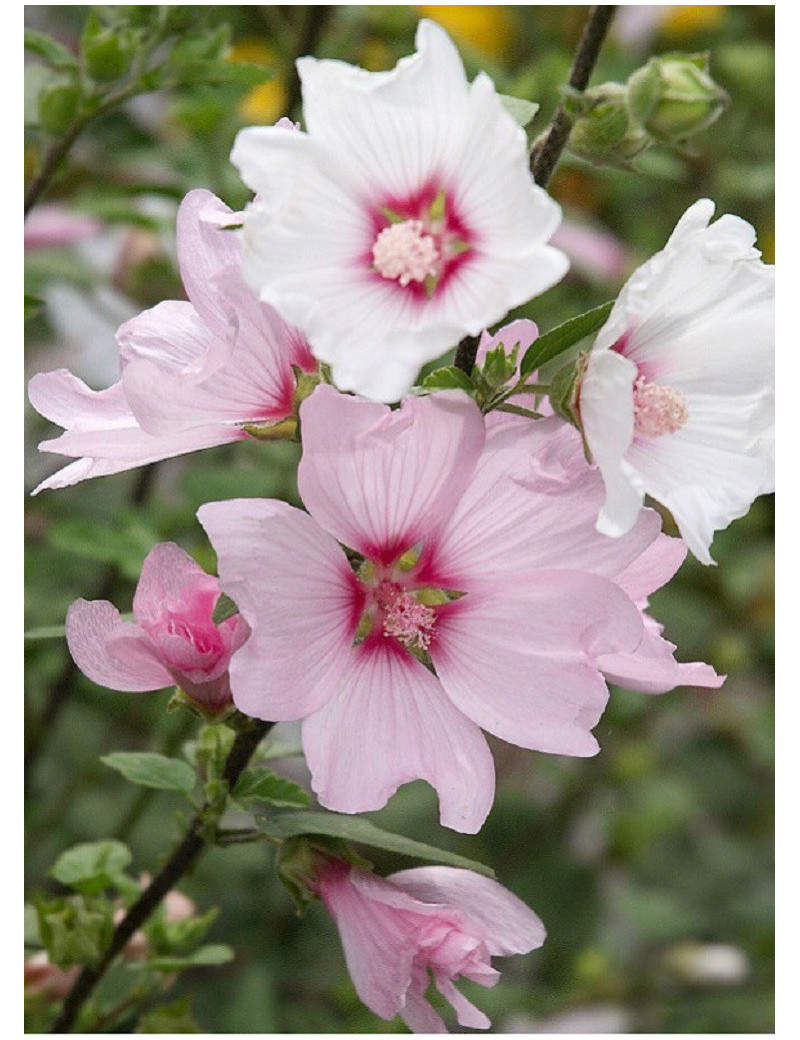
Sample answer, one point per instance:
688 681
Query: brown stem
180 862
547 150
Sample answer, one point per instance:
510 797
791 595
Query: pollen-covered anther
404 617
406 253
657 409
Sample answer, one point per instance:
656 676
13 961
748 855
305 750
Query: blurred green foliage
663 839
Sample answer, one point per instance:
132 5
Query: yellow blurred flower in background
265 103
687 19
485 26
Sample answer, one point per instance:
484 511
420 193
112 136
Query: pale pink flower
593 250
54 225
405 217
437 920
173 641
194 374
480 595
677 400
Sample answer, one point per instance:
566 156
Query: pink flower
403 217
54 225
432 919
173 641
478 594
42 976
193 374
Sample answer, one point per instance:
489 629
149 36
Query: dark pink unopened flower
55 225
194 374
436 920
174 639
476 594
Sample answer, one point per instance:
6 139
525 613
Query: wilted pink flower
436 920
403 218
54 225
174 639
193 374
677 400
479 595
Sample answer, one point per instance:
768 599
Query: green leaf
262 785
53 52
521 110
168 1019
92 867
449 378
33 304
107 54
564 336
125 545
151 770
205 956
58 106
364 832
75 930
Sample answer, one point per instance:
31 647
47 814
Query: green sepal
92 867
562 337
498 366
177 938
285 430
363 832
225 608
299 858
149 769
564 390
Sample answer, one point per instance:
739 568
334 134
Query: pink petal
466 1012
171 582
532 503
378 941
205 252
521 664
502 920
389 724
652 668
378 486
171 335
294 587
111 652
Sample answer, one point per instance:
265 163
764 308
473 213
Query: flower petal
505 923
521 664
377 486
295 589
112 652
171 582
388 724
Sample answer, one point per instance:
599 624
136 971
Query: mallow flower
194 374
677 398
444 580
173 640
429 923
403 217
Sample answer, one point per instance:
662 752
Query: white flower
405 217
677 400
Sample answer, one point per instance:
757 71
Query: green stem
179 863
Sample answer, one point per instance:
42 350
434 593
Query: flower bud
565 388
604 132
673 96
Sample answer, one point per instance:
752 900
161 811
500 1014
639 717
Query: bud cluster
668 100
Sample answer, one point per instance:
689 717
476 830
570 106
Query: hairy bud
604 131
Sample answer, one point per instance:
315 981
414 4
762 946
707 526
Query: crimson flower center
657 409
